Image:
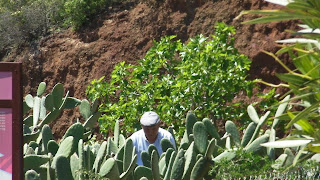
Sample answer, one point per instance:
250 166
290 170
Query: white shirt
141 143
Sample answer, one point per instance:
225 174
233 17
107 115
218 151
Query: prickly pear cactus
200 169
99 159
178 165
142 171
166 144
47 108
65 149
231 128
62 167
110 169
190 121
200 137
211 129
155 165
145 157
190 160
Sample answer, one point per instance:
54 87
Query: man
151 133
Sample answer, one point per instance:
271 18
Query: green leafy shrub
204 75
6 5
244 165
253 166
79 12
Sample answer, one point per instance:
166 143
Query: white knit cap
149 118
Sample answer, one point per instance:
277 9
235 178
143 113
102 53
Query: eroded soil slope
126 31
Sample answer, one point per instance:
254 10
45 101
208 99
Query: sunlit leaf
308 31
315 147
286 143
265 12
298 40
306 126
285 48
280 2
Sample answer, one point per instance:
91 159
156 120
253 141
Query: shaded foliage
25 21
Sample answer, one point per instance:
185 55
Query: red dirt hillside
126 31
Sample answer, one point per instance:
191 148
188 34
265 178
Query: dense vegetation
203 151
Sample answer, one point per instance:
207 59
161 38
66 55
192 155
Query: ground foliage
204 75
245 164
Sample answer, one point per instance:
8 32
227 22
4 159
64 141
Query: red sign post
11 162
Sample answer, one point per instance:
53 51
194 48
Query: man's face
151 132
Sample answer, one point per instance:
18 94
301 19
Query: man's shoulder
137 134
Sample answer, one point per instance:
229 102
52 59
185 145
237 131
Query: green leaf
303 114
265 12
307 127
314 147
300 5
292 78
298 40
268 19
306 64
